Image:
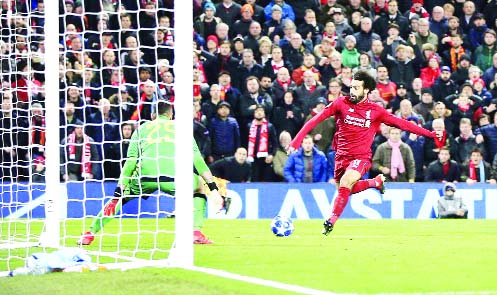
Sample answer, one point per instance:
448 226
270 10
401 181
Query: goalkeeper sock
362 185
102 218
199 209
340 203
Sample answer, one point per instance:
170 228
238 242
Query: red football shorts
343 164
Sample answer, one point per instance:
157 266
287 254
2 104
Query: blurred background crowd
261 69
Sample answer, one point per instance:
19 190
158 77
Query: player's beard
356 99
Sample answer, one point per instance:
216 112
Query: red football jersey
357 125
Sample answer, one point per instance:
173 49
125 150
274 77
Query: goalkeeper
150 167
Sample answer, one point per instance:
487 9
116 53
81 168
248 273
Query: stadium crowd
260 70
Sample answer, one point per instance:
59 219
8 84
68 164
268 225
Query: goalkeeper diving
150 167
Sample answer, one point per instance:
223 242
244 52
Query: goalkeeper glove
221 202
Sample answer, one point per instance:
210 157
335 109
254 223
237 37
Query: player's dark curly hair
368 80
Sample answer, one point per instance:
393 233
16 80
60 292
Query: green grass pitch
360 256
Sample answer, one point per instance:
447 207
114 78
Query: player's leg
346 179
378 182
199 210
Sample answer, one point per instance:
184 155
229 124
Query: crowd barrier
258 201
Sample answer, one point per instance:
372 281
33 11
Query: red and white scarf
396 161
440 143
263 148
85 155
277 66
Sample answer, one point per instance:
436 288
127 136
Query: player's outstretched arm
297 141
405 125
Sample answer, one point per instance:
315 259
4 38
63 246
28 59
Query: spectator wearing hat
350 54
327 10
262 145
394 158
366 35
443 169
392 17
416 143
287 116
476 169
279 5
323 133
483 54
426 105
274 26
205 24
393 39
444 85
461 74
241 26
307 164
451 206
400 95
212 44
431 72
229 93
224 132
228 11
466 141
342 26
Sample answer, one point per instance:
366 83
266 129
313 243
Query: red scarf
312 88
422 13
440 143
472 170
223 91
332 37
283 84
196 90
445 168
38 128
85 155
200 67
277 66
263 148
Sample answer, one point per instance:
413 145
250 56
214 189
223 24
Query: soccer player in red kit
358 120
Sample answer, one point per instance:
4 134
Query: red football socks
340 203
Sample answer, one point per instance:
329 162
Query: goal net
77 79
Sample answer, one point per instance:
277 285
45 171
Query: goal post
40 217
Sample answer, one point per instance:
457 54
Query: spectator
444 85
489 74
210 107
414 92
387 89
426 105
350 54
401 68
288 117
287 10
483 53
300 7
365 65
416 143
366 35
200 132
228 11
464 107
440 111
247 68
293 50
401 94
438 22
224 131
466 141
38 129
275 63
122 104
273 28
281 85
462 72
127 129
241 26
223 61
12 140
452 56
263 46
328 9
324 132
330 34
258 11
431 72
310 28
393 16
342 25
443 169
234 168
229 93
417 9
307 165
205 24
281 155
433 146
424 35
144 110
405 111
308 93
477 170
477 31
262 145
78 156
450 206
394 159
308 65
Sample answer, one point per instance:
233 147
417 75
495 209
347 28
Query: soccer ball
282 226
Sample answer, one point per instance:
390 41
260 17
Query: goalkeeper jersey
151 152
